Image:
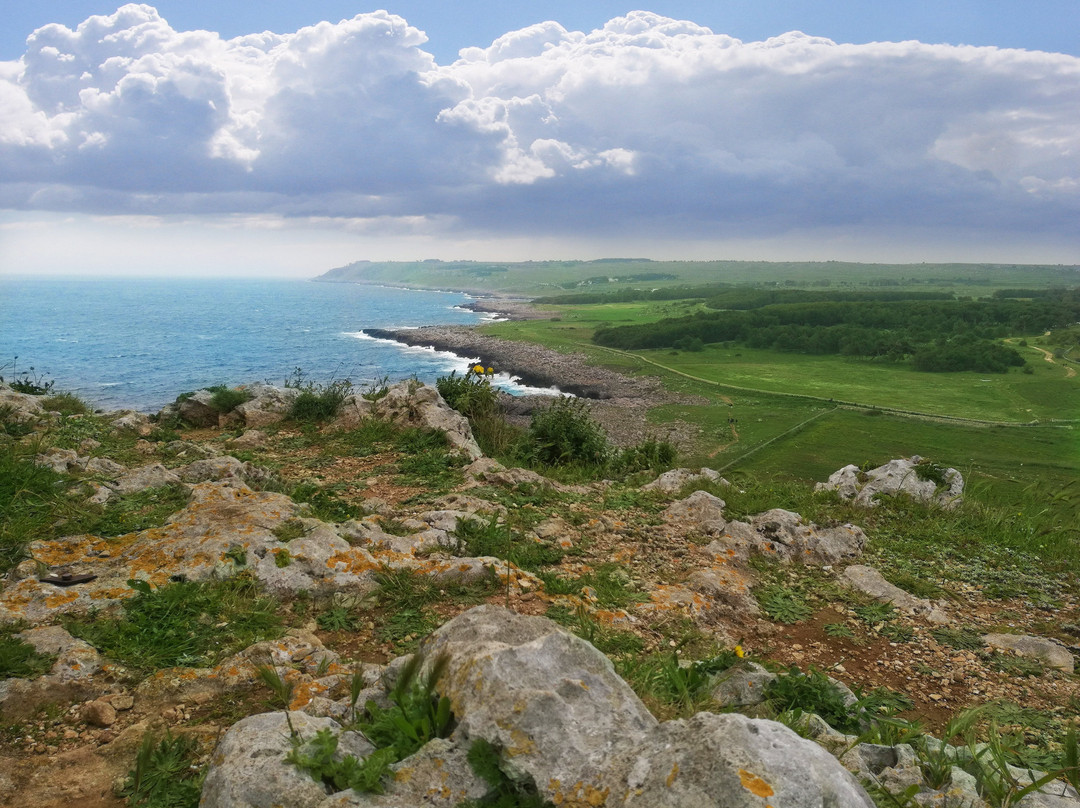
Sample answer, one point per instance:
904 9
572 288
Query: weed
318 757
31 498
609 584
475 537
129 513
11 425
237 554
337 618
417 713
288 530
814 692
165 775
607 640
184 623
932 472
1014 665
318 402
426 459
282 558
783 605
875 613
472 395
839 630
897 632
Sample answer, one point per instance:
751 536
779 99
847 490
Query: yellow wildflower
739 652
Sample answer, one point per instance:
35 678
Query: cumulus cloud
645 124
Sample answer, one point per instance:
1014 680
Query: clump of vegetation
165 774
183 623
476 537
417 715
565 433
65 404
132 512
226 399
324 503
31 499
27 381
317 402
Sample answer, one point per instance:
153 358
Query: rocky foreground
557 723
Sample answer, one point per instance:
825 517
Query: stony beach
619 402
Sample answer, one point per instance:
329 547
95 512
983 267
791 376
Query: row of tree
934 334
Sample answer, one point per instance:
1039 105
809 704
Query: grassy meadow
803 416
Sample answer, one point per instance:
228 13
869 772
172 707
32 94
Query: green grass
18 659
31 498
132 512
165 774
185 623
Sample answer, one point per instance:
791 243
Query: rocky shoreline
619 402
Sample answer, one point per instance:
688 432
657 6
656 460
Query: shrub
472 394
320 402
566 433
65 404
225 399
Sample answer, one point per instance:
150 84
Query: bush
472 394
318 402
566 433
225 399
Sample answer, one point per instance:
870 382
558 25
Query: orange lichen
755 785
674 773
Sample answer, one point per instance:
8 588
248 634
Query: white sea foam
503 381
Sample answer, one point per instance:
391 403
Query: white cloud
646 125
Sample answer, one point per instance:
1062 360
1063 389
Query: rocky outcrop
413 404
914 477
561 720
671 482
785 536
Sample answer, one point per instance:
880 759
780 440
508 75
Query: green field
786 425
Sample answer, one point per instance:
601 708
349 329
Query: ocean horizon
139 342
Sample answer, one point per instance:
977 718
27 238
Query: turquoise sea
140 342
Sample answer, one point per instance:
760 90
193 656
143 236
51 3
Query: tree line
933 334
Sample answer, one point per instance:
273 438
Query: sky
283 139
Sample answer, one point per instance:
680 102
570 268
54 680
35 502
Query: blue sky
177 138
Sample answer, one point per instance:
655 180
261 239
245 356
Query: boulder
784 535
1048 652
701 513
143 477
249 770
25 408
741 685
728 760
671 482
268 404
547 698
251 439
908 476
410 403
131 421
195 409
871 582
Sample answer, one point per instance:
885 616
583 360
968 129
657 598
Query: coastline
619 402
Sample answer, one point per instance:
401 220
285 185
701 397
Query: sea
138 343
